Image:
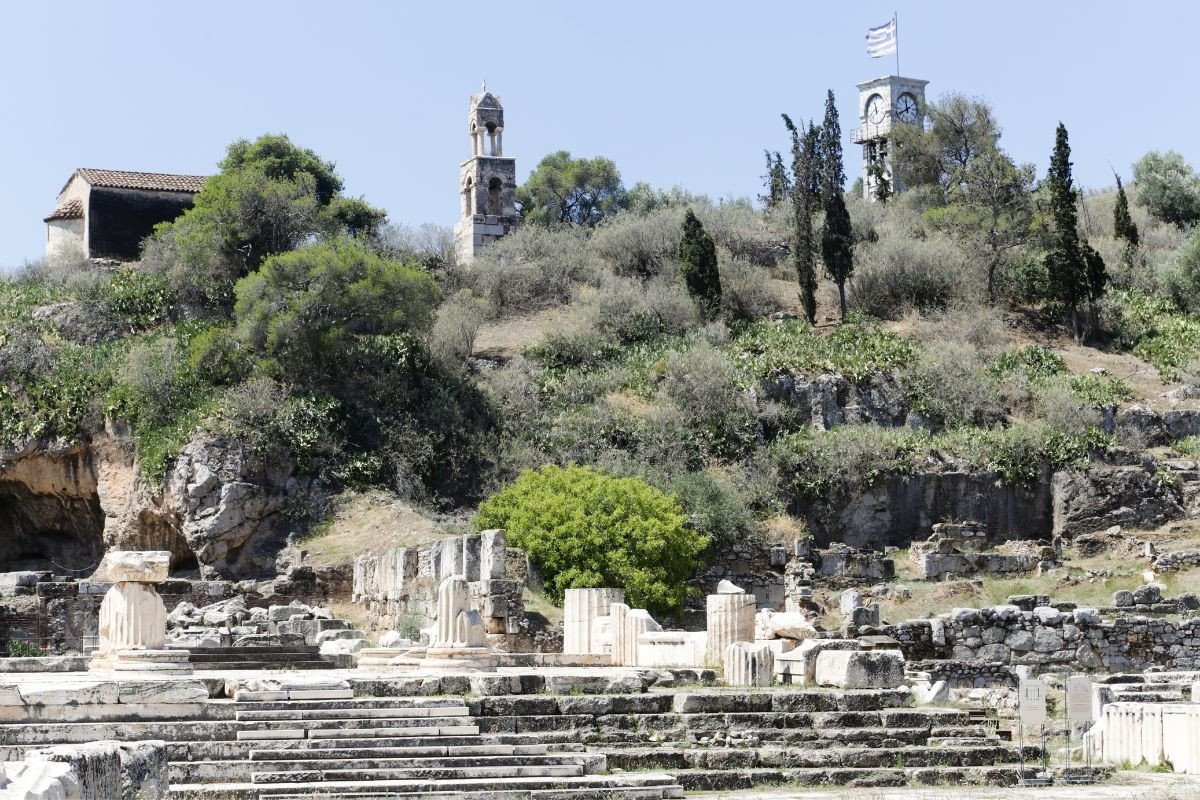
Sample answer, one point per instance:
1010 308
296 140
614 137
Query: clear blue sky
675 92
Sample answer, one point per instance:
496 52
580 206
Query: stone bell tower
487 180
884 103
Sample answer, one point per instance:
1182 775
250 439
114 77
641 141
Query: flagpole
896 19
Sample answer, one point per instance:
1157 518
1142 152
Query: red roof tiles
72 209
152 181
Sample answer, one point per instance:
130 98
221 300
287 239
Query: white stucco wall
64 232
61 231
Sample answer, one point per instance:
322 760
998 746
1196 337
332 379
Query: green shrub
634 244
714 508
1099 391
454 328
1032 361
302 310
136 299
899 274
855 349
217 355
947 384
1155 331
1188 446
62 400
746 291
1020 452
532 268
21 649
576 344
630 311
831 465
589 529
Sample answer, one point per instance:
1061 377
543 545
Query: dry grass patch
367 522
629 402
506 338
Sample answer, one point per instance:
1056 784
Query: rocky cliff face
220 510
901 508
50 513
236 510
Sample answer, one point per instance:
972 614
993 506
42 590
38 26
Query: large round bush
589 529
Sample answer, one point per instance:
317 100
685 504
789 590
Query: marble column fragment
452 601
619 614
730 619
749 664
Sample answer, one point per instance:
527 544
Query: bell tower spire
487 180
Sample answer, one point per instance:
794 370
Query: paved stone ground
1123 786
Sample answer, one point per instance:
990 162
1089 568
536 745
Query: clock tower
487 180
882 104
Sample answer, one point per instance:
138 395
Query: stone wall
966 674
1047 638
61 615
399 588
756 567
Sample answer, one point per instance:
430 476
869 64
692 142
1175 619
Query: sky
685 93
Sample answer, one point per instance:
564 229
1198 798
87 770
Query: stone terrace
509 733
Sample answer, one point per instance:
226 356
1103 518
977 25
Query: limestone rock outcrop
1102 496
235 509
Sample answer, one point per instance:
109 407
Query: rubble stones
1148 594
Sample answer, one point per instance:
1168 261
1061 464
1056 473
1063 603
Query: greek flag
881 41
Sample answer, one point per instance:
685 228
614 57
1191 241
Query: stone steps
296 730
338 746
354 765
258 657
424 772
352 722
225 666
734 780
361 713
674 758
641 785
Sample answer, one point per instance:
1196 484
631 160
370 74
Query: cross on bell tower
487 180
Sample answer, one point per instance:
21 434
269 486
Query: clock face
876 110
906 107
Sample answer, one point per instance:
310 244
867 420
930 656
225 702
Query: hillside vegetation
284 314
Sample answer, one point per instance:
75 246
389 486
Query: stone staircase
732 741
258 657
356 743
328 743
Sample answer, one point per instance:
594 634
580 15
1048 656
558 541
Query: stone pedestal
133 620
748 664
461 638
580 610
730 619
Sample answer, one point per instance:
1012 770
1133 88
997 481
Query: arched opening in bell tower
494 205
493 149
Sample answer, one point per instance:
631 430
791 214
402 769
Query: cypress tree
698 262
1123 227
1066 264
837 242
805 200
776 181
